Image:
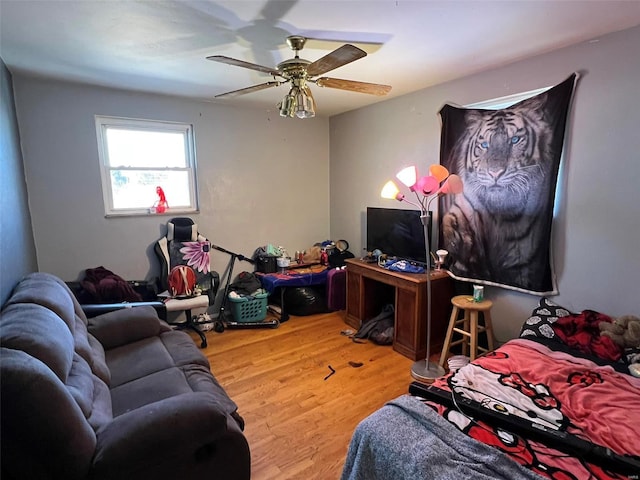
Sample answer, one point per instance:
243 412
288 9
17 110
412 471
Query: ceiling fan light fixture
288 105
305 104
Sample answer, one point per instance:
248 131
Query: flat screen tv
397 233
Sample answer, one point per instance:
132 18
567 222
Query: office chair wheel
218 326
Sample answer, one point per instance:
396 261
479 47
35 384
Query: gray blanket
407 440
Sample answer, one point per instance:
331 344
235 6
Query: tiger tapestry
498 230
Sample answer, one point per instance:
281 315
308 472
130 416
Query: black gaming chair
184 245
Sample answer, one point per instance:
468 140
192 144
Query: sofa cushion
52 293
44 432
39 330
40 333
182 349
136 360
101 411
90 393
98 363
80 384
148 389
81 340
171 358
48 291
141 322
168 383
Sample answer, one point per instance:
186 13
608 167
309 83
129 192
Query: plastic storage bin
249 309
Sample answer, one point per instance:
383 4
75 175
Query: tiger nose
495 172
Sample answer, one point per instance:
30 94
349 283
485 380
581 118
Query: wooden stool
470 328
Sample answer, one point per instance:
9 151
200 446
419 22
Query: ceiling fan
299 72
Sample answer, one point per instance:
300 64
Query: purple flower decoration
197 255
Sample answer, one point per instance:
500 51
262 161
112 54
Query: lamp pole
425 370
430 187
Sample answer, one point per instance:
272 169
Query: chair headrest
182 229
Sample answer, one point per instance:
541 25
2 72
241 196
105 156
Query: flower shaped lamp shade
426 189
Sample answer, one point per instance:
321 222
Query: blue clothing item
271 281
403 266
407 440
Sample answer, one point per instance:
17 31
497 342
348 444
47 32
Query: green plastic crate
249 309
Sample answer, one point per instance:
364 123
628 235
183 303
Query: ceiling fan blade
255 88
353 86
242 63
274 10
339 57
325 41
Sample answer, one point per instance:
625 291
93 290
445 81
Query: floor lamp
426 189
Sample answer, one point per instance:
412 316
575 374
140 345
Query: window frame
103 123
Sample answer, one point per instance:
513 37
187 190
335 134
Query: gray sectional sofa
120 395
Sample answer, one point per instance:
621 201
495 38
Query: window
137 157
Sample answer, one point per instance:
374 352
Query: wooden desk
370 287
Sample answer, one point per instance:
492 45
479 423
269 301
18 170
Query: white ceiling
160 46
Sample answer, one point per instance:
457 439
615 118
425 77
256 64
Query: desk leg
409 336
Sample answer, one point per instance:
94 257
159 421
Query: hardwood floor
297 423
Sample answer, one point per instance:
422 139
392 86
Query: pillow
581 332
542 326
539 324
195 255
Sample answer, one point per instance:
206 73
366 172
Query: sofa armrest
137 440
119 327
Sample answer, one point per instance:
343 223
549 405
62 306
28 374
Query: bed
558 402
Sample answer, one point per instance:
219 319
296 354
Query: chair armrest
127 325
94 309
180 425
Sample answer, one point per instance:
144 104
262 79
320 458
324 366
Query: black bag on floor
379 329
302 301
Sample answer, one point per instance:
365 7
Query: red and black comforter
590 400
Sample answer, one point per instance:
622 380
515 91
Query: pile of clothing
104 286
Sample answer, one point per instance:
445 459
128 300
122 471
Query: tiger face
502 163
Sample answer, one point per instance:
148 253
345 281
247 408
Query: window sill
147 213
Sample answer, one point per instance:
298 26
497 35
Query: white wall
262 178
597 230
17 249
